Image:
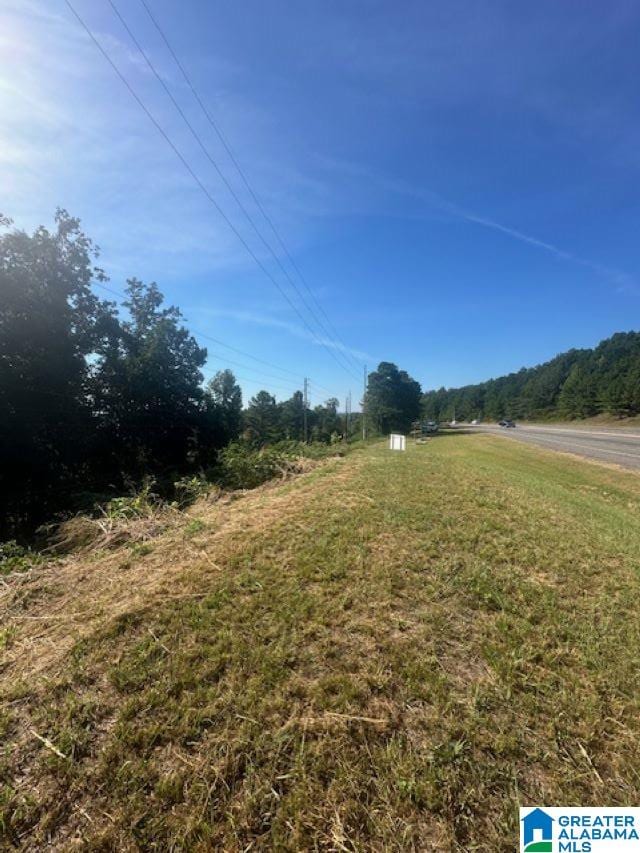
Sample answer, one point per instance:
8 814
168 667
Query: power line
286 384
290 391
245 180
221 174
198 181
215 355
289 388
230 347
242 352
321 387
218 357
226 360
207 337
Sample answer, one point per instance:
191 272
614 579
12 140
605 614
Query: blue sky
458 182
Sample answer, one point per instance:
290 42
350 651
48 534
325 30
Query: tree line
95 398
579 383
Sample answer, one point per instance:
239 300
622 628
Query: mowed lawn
391 652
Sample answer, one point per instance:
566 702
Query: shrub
15 558
315 450
140 504
189 489
242 467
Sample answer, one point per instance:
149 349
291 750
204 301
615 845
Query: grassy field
390 652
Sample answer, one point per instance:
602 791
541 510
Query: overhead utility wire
225 359
223 178
346 351
195 177
291 391
222 358
321 387
193 174
244 353
217 357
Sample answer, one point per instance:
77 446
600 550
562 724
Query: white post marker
396 442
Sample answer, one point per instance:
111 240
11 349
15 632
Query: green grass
392 652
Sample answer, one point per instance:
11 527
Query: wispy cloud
624 281
292 328
73 136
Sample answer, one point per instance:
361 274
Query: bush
140 504
242 467
315 450
15 558
189 489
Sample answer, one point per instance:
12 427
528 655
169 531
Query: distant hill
579 383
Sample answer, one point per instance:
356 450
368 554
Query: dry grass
390 652
165 550
83 533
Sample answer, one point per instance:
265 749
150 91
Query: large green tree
147 388
392 399
262 419
224 407
326 423
50 322
292 417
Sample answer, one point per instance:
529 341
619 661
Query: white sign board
396 442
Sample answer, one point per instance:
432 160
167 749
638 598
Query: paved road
620 446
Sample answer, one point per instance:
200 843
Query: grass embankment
389 653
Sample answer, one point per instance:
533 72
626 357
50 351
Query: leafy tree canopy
392 399
50 323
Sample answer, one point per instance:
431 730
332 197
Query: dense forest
97 399
576 384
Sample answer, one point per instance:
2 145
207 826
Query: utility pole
364 406
304 411
346 418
